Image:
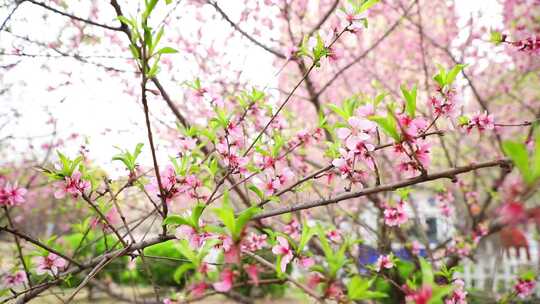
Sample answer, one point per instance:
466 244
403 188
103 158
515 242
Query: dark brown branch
39 244
451 174
238 29
87 21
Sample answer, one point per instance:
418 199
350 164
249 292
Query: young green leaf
410 100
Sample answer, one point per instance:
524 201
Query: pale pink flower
12 195
186 143
395 215
459 295
282 249
72 185
524 288
334 235
227 278
252 271
198 289
314 279
254 242
334 291
384 261
421 296
482 121
185 232
292 229
343 166
415 247
306 261
50 264
14 280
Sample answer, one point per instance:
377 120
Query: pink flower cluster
73 185
459 295
12 195
395 215
529 45
357 140
444 102
524 288
175 186
384 262
14 280
481 121
283 249
50 264
229 147
420 296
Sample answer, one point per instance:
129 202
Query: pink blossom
334 235
186 143
314 279
198 289
292 229
415 247
335 53
12 195
413 127
227 277
185 232
481 121
459 295
112 216
73 185
384 261
334 291
423 154
231 251
306 261
50 264
512 212
421 296
524 288
254 242
396 215
253 272
282 249
14 280
343 166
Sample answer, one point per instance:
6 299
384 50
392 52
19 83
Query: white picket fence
497 271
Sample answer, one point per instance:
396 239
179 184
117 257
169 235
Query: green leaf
367 5
167 50
358 289
536 157
176 220
307 234
496 37
125 21
226 213
196 214
387 124
451 76
439 292
181 270
427 272
338 111
186 251
257 191
410 100
242 219
134 51
518 153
